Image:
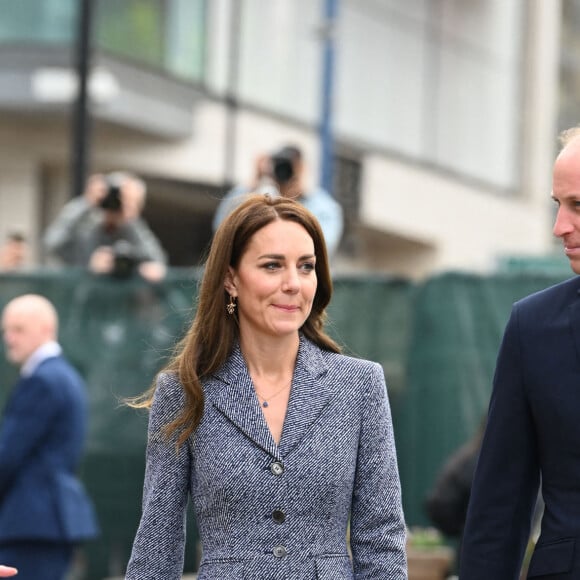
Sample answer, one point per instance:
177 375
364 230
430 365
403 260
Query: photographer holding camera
283 173
102 230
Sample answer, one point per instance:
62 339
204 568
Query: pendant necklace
266 402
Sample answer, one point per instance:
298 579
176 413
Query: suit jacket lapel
308 397
575 323
232 392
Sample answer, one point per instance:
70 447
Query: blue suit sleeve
378 531
507 475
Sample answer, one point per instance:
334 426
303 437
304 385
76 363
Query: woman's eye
308 266
271 265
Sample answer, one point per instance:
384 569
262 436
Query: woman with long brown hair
277 437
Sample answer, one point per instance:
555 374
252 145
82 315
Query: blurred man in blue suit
44 510
532 439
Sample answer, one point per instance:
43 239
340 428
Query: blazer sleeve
158 548
378 531
506 479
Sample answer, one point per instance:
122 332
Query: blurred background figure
103 230
447 501
262 182
13 253
44 509
283 173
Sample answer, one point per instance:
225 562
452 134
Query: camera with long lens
282 167
112 199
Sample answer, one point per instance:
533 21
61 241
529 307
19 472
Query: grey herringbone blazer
273 512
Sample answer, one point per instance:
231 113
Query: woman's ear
229 284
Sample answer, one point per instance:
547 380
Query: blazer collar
232 392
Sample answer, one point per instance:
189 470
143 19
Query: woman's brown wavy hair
213 332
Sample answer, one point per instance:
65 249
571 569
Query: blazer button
276 468
280 551
278 516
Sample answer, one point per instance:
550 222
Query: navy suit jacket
267 511
42 434
532 435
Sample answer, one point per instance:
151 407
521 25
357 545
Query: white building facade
444 113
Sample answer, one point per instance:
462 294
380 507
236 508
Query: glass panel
476 91
165 34
37 20
279 56
169 34
186 39
382 64
569 113
132 28
440 81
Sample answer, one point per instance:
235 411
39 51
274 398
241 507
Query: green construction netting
437 342
458 322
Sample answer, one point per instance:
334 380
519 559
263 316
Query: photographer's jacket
78 231
267 511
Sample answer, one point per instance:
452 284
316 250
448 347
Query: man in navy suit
44 510
532 440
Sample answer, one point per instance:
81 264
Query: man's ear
229 283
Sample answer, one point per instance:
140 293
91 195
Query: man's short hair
120 176
290 152
568 135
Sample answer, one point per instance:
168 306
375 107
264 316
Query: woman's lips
287 308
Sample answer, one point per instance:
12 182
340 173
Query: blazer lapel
235 397
308 397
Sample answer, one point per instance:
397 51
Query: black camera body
125 259
282 167
112 199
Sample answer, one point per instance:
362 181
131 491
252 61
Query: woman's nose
291 282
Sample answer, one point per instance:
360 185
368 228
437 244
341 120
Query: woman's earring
231 307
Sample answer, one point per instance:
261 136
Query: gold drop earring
231 306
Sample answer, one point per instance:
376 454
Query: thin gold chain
266 401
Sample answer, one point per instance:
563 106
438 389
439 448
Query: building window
346 188
164 34
437 81
167 34
569 113
37 21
